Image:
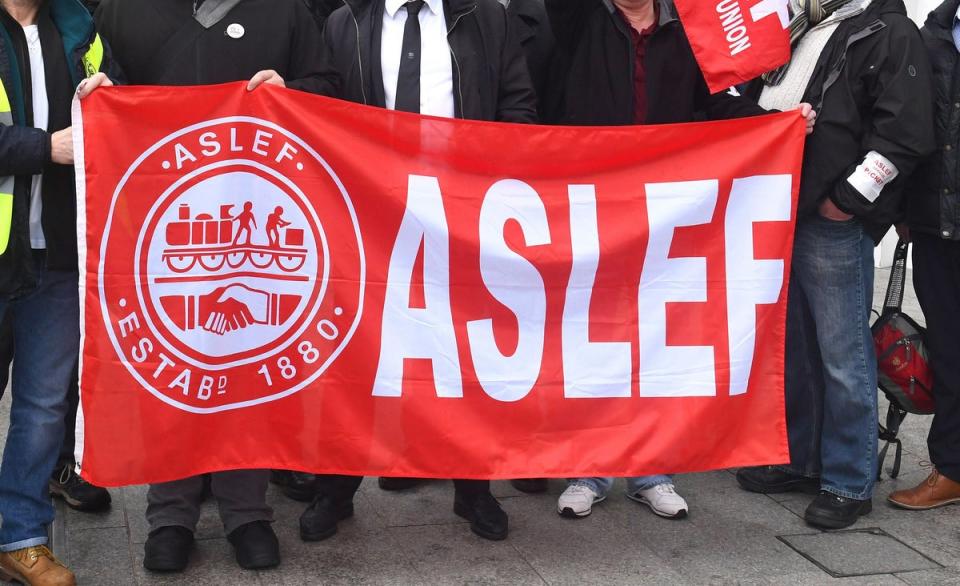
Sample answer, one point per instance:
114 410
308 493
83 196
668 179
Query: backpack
903 365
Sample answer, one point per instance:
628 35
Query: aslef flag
735 41
279 280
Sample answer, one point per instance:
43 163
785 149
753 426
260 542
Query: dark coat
871 89
596 62
536 39
490 76
934 191
278 34
25 151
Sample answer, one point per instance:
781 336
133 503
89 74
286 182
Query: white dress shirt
41 114
436 68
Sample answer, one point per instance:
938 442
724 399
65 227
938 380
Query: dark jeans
342 488
831 369
936 278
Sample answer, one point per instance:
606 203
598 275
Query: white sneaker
577 501
663 500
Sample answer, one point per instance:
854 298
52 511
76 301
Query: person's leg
242 498
474 502
332 504
6 351
803 389
936 278
658 493
65 483
175 504
837 278
46 338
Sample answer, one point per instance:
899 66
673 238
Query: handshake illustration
229 309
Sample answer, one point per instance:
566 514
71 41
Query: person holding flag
629 62
863 62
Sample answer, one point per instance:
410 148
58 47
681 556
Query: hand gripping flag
736 40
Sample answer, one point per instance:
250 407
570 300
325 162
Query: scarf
807 14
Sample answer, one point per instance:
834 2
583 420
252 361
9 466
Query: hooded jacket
490 77
25 151
871 90
933 203
596 57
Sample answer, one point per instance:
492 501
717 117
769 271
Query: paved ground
731 537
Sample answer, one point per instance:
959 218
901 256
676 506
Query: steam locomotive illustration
216 242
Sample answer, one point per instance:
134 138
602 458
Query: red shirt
638 40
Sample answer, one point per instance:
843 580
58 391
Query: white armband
872 175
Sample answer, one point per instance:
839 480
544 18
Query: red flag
736 40
278 280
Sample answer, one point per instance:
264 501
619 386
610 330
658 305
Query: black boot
392 484
79 494
320 520
530 485
256 545
483 511
168 549
770 480
830 511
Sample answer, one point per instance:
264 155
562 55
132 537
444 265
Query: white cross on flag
736 40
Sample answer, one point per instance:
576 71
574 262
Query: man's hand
61 146
87 86
903 231
806 110
830 211
269 77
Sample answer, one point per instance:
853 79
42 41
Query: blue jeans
602 486
831 368
46 330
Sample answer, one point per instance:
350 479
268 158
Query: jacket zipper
356 23
456 62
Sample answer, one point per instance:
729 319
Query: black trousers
936 278
342 488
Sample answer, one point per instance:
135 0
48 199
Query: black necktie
408 80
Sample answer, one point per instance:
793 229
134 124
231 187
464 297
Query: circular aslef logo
219 285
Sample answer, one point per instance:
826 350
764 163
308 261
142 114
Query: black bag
903 367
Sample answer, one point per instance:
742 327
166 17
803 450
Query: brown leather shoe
936 491
35 566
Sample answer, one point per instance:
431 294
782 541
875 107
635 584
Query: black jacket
595 56
871 89
490 77
277 34
72 51
934 191
536 39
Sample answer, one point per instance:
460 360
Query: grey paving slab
864 552
819 578
430 503
100 556
942 576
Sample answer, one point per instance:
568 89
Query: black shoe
770 480
830 511
319 521
256 546
301 487
392 484
530 485
168 549
483 511
79 494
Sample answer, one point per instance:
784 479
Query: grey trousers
241 496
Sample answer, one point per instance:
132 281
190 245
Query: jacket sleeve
23 150
723 106
310 69
516 98
900 133
566 20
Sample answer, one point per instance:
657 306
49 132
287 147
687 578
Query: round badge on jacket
235 31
